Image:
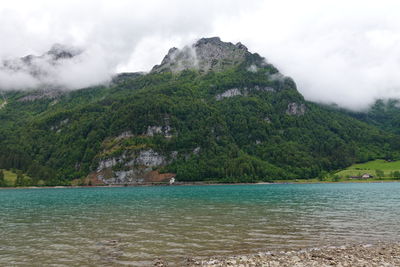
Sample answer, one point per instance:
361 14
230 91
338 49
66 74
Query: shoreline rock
361 255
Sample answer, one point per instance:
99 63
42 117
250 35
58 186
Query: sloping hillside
213 111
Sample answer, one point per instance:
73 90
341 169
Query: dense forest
234 125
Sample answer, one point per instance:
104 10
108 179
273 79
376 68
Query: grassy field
370 167
388 169
337 180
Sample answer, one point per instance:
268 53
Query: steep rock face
166 131
205 55
228 93
149 158
131 168
296 109
243 92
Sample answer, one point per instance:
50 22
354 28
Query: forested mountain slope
211 111
384 114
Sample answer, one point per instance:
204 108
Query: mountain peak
207 54
59 51
216 41
41 68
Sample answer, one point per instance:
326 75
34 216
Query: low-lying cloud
344 52
115 36
77 70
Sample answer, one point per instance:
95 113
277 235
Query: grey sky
346 52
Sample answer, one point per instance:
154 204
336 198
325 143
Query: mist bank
338 52
67 67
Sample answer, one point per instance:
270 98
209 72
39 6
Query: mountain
211 111
41 69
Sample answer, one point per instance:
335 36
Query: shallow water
135 225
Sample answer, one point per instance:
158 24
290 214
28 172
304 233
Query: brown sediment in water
381 254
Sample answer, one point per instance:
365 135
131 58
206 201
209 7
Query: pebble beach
352 256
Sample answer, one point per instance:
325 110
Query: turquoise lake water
135 225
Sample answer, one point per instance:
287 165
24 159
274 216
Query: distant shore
131 185
365 255
280 182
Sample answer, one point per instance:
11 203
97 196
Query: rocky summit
207 54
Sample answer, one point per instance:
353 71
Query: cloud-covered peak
205 55
62 67
60 51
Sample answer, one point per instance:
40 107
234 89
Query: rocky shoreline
381 254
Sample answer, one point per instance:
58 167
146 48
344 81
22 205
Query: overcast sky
344 52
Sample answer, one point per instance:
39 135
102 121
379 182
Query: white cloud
116 35
346 52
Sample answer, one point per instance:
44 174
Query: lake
136 225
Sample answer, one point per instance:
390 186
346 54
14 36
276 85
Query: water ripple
134 226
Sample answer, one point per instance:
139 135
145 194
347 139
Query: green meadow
389 169
381 170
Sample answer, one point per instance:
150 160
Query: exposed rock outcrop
205 55
150 158
3 104
242 92
166 131
228 93
296 109
133 168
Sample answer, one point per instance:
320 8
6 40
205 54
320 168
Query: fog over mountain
344 52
